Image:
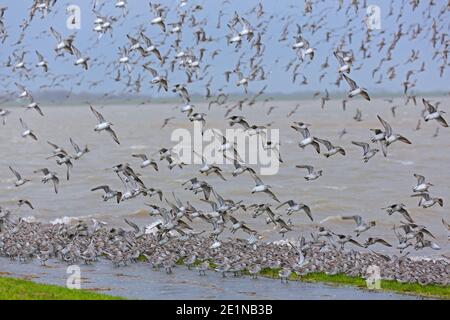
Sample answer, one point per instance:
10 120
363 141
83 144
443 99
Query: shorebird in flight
355 89
434 114
26 131
426 201
368 152
400 208
109 193
146 161
20 181
361 226
389 136
49 175
104 125
421 185
296 207
332 150
261 187
312 174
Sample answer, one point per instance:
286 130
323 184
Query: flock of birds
174 236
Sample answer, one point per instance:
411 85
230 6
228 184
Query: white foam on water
338 188
137 147
403 162
29 219
67 220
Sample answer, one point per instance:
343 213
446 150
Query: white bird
146 161
104 125
355 89
434 114
20 181
312 174
261 187
26 131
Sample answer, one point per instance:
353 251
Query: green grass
17 289
432 291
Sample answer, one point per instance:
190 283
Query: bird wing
326 143
24 125
420 178
284 203
258 181
339 58
429 106
350 82
356 218
104 188
140 155
133 225
74 145
97 114
113 134
56 34
151 70
386 126
383 242
308 212
446 224
364 145
274 197
76 52
40 56
15 173
309 168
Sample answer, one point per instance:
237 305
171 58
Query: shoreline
198 99
20 288
86 243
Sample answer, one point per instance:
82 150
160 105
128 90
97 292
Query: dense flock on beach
182 51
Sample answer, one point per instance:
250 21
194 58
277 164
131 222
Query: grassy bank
429 291
17 289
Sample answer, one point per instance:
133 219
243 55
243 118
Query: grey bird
49 175
312 174
296 207
368 152
19 180
361 226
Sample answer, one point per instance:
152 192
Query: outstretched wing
429 106
364 145
56 34
350 82
113 134
104 188
420 178
15 173
97 114
23 124
326 143
74 145
309 168
140 155
387 127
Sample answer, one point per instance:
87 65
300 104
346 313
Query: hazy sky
104 51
